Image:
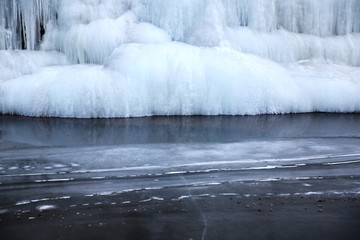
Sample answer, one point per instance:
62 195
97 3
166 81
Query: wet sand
203 212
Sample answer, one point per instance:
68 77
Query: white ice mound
70 91
17 63
210 70
166 79
329 87
95 41
179 79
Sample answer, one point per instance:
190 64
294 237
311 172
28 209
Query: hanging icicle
23 22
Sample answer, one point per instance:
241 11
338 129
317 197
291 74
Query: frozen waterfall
124 58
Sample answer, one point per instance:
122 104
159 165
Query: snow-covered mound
121 58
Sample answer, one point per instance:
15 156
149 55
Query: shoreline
202 212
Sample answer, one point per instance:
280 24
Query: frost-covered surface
154 57
14 64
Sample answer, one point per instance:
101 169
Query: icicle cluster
23 22
282 30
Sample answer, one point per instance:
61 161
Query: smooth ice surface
151 57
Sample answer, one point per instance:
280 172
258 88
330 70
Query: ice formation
124 58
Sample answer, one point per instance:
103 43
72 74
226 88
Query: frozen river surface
44 160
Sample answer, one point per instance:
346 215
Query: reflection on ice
27 132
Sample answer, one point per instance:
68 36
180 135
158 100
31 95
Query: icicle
23 22
316 17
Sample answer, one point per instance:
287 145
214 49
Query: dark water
44 159
222 129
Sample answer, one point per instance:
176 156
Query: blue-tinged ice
124 58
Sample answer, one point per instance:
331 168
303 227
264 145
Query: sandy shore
203 212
